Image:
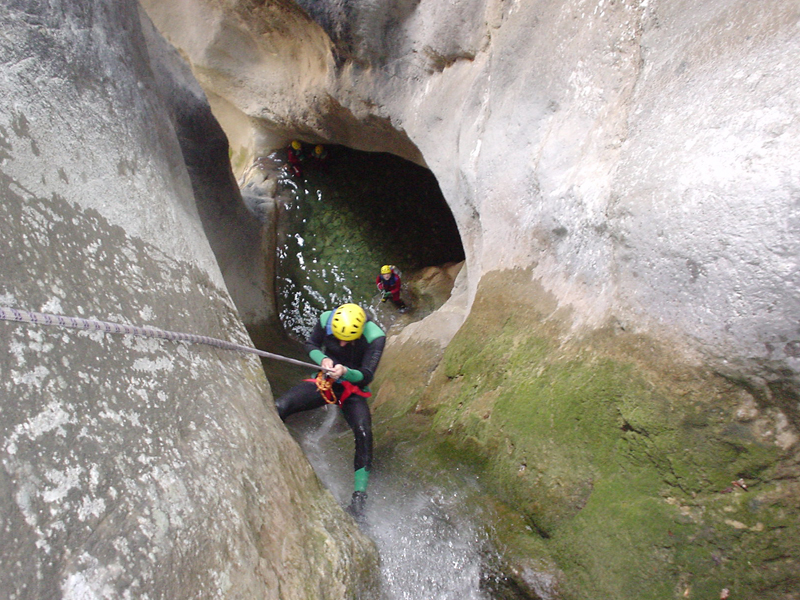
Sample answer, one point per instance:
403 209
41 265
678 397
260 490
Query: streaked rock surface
131 467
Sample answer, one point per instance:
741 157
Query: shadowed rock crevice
241 245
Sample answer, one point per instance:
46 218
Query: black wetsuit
361 358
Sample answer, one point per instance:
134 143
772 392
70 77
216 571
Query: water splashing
428 547
430 542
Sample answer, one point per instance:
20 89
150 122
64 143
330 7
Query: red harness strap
325 387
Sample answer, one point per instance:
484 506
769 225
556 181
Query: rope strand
325 388
24 316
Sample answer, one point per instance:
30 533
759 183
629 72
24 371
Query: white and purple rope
24 316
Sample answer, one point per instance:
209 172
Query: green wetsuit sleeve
317 356
353 376
376 339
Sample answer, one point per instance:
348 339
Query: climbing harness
325 388
23 316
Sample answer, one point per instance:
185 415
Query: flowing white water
430 547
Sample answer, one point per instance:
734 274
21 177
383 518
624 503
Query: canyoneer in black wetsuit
348 346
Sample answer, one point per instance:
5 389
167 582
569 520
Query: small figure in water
348 346
389 284
295 155
320 153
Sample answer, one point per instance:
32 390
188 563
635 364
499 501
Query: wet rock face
132 467
706 212
634 474
639 155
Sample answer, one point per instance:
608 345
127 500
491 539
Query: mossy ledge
613 466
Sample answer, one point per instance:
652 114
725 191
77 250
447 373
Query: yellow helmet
318 149
296 145
347 322
386 269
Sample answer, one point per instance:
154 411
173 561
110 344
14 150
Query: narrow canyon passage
596 394
338 222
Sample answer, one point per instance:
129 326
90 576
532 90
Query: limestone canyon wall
619 358
133 467
639 156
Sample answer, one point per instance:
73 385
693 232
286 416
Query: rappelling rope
325 387
24 316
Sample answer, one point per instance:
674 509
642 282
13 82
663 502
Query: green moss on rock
621 459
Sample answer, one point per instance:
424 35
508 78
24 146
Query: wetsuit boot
357 506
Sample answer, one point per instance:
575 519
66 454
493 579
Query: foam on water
429 544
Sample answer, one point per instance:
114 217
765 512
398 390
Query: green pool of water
346 216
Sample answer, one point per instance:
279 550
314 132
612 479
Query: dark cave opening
338 220
345 216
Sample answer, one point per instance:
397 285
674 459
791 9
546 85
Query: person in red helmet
389 284
347 345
